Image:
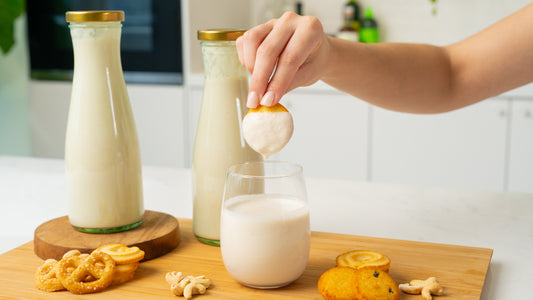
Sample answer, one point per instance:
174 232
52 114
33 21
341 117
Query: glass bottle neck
221 60
96 45
95 30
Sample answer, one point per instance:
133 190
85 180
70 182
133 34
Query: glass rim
297 169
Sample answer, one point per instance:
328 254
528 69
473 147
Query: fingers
274 52
248 43
298 52
267 56
314 67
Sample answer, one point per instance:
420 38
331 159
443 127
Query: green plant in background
434 4
10 10
15 129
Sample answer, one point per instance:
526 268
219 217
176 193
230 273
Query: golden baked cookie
118 279
359 259
125 269
46 277
375 284
124 273
338 284
73 270
122 254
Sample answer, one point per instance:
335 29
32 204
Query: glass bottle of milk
102 156
219 141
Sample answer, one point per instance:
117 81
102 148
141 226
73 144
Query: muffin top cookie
337 284
374 284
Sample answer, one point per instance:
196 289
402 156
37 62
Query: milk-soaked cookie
267 129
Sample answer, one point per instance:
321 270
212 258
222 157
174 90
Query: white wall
209 14
412 20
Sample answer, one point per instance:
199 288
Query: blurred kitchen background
486 146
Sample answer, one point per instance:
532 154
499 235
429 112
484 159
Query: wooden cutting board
157 235
461 270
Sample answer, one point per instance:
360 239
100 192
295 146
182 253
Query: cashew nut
174 277
426 287
187 286
410 289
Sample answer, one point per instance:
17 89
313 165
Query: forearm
403 77
293 51
429 79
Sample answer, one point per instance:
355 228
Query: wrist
338 57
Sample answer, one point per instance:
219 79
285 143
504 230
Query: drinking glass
264 230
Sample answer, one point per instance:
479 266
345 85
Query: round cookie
267 129
375 284
359 259
337 284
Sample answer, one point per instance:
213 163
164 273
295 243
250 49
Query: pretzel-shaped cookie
73 270
46 277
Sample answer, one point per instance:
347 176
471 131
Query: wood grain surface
461 270
157 235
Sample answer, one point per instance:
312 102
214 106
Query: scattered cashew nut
426 287
187 286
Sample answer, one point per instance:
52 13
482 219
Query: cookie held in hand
267 129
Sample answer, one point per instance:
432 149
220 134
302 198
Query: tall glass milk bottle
219 141
102 156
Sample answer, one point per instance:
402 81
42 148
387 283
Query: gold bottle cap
95 16
220 34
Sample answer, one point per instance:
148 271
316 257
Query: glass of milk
264 229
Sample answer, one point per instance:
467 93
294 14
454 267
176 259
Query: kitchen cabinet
465 148
330 137
521 146
160 117
49 103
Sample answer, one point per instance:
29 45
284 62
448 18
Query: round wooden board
157 235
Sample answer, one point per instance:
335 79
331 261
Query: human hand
281 55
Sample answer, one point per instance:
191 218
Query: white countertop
33 191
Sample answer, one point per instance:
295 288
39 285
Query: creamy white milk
218 145
103 165
267 132
219 142
265 239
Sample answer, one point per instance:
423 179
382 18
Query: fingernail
268 99
252 100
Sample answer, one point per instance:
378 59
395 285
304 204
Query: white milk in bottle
219 141
102 157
